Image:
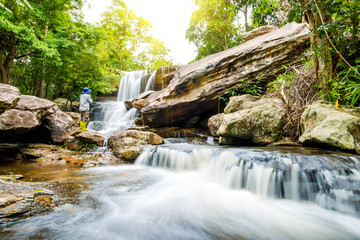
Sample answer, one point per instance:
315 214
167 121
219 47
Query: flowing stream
186 191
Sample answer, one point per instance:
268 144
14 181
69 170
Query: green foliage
243 88
47 50
128 43
214 27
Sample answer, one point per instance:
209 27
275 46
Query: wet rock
259 120
128 105
17 197
286 142
323 124
9 97
139 122
175 132
128 144
96 125
35 151
196 87
54 155
91 137
139 104
258 32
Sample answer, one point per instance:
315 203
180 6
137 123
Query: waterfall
332 182
111 116
130 85
151 81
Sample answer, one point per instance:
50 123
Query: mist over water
140 202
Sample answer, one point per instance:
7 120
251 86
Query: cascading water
184 191
331 182
194 192
110 116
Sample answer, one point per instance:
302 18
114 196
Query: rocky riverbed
36 178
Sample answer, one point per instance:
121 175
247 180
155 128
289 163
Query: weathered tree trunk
42 82
310 18
3 73
324 57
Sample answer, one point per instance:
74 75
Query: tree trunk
42 82
310 18
324 58
246 17
3 74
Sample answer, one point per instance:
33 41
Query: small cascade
151 82
111 116
333 181
130 85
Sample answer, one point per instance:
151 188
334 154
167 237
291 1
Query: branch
25 55
327 35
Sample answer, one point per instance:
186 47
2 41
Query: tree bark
42 82
324 59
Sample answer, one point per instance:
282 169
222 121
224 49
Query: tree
214 27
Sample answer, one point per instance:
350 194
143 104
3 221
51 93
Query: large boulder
249 118
9 97
323 124
128 144
91 137
27 115
31 112
60 125
258 32
196 88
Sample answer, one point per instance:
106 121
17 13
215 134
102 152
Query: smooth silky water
185 191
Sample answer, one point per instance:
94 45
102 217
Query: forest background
47 50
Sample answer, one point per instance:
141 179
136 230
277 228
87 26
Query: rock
196 87
60 125
17 121
163 76
214 123
91 137
75 116
128 144
286 142
9 97
323 124
178 132
39 106
31 112
17 197
258 32
96 125
245 101
139 104
260 121
139 122
128 105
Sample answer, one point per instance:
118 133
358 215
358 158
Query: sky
169 18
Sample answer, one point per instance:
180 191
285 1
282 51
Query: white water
111 116
133 202
331 182
191 192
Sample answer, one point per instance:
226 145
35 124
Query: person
85 101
